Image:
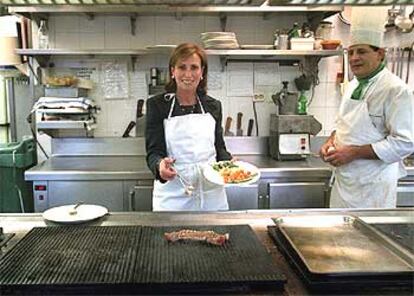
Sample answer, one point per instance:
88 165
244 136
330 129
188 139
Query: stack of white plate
219 40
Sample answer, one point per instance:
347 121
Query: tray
402 233
343 245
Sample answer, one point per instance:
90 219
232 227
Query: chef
183 134
375 125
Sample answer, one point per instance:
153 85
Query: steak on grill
208 236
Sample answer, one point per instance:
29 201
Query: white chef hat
367 25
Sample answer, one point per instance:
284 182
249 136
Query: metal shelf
71 111
65 124
38 12
251 53
68 52
167 9
43 55
214 52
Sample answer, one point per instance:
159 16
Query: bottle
43 35
302 104
276 39
294 32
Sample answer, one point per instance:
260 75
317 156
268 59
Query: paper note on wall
239 79
115 80
138 85
266 74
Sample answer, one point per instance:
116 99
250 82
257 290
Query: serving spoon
74 211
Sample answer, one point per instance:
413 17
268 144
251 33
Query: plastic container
302 43
16 195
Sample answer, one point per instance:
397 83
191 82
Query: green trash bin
16 195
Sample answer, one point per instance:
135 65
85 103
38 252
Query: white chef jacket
389 103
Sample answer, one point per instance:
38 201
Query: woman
184 133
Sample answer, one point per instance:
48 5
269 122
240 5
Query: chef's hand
166 169
345 154
327 148
341 155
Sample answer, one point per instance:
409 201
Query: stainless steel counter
135 167
124 159
258 220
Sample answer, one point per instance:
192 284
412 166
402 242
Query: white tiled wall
114 32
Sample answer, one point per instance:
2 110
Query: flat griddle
136 260
342 253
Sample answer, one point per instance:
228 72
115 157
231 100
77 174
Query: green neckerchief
357 93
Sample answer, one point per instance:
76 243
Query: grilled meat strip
208 236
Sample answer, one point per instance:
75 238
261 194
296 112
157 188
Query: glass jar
324 30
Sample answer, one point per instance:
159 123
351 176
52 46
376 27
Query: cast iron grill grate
137 257
64 255
241 259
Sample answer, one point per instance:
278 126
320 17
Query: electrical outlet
258 98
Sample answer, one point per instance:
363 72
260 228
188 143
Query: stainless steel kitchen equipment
137 259
112 172
66 116
21 224
286 101
340 252
290 136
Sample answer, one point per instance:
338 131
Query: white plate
84 213
214 176
257 46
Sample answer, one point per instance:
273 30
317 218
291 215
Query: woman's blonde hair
184 51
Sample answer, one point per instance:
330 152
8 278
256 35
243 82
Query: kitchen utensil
188 188
345 70
227 127
283 42
130 126
84 213
410 51
398 61
392 53
140 119
239 131
74 211
250 127
401 68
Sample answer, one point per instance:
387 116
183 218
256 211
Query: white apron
362 183
190 141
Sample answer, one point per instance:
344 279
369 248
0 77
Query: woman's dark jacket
157 109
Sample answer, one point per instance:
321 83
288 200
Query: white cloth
367 25
190 141
384 118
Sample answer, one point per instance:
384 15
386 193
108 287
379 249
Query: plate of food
231 173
